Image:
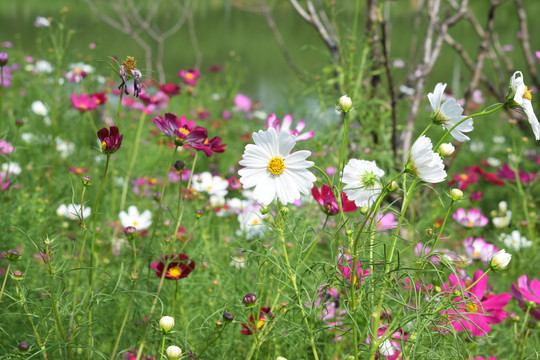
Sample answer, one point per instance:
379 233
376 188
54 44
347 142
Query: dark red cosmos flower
213 145
508 174
100 97
170 89
179 266
181 131
328 201
264 315
110 140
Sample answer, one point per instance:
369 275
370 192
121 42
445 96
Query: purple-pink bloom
527 293
328 201
181 131
474 310
348 270
386 222
110 140
471 218
242 102
273 121
479 249
390 348
5 147
190 76
84 102
506 173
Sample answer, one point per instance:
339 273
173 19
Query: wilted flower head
110 140
128 70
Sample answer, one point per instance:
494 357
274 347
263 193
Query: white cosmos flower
73 211
425 163
251 223
273 170
39 108
362 181
515 240
135 219
213 185
521 96
449 114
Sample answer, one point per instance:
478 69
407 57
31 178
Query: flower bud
86 180
12 255
173 352
456 194
199 213
3 59
219 323
157 195
393 186
345 103
364 210
24 346
446 149
179 165
17 275
249 299
500 260
264 210
228 317
166 323
130 231
284 211
281 358
19 122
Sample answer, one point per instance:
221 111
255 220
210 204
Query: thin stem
5 280
162 346
113 353
119 104
441 230
25 308
48 253
133 160
477 280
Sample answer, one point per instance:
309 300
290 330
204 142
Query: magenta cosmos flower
252 327
190 76
390 348
242 102
471 218
328 201
179 266
181 131
527 291
84 102
479 249
348 270
110 139
475 311
273 121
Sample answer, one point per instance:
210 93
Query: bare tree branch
525 42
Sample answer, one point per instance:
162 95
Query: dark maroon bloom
3 59
216 68
179 266
170 89
211 146
181 131
506 173
255 327
110 140
100 97
328 201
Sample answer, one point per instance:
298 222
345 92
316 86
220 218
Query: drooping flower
110 140
189 76
352 272
520 96
527 293
449 114
425 163
84 102
134 218
471 218
479 249
328 201
362 179
128 70
252 326
285 125
273 170
179 266
474 311
515 241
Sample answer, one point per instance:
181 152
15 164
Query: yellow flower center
175 272
464 177
189 76
276 165
129 64
135 223
260 323
77 70
472 307
104 145
208 188
476 253
83 106
183 131
471 223
527 95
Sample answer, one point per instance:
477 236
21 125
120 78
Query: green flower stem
22 299
119 105
482 113
524 340
5 280
342 154
477 280
292 276
91 272
113 353
440 230
48 253
162 346
134 157
90 120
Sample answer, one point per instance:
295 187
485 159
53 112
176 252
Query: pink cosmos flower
84 102
506 173
390 348
180 130
190 76
421 250
386 221
328 201
273 121
475 311
479 249
352 272
170 89
527 291
5 147
471 218
242 103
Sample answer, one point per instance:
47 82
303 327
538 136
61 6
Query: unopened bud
24 346
249 299
3 59
364 210
228 317
393 186
17 275
446 149
284 211
166 323
12 255
500 260
456 194
199 213
345 103
265 210
130 231
173 352
179 165
86 180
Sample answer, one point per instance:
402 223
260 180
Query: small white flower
493 162
43 67
449 114
238 262
362 181
135 219
500 260
13 168
42 22
515 240
499 139
166 323
521 96
446 149
345 103
252 224
39 108
173 352
65 148
425 163
213 185
273 170
73 211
